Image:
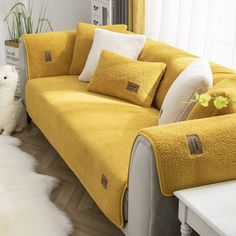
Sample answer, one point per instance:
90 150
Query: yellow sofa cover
179 167
93 133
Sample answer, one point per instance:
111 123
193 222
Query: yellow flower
221 102
204 99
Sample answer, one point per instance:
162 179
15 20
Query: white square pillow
127 45
196 78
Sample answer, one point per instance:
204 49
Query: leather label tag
194 144
47 56
104 181
132 87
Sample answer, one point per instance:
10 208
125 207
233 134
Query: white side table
209 210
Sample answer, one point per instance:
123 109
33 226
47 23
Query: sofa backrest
176 61
49 54
60 46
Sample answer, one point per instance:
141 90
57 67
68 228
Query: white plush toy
12 113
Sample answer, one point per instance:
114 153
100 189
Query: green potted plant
21 20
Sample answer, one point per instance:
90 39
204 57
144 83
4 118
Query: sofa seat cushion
93 133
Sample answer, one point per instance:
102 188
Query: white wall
64 15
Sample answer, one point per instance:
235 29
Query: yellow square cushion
130 80
84 41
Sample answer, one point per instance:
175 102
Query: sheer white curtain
203 27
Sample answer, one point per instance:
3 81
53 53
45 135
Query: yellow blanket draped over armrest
194 152
49 54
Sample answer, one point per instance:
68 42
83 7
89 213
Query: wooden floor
70 196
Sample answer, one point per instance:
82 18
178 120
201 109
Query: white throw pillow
128 45
196 78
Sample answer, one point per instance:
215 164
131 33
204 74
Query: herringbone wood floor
70 196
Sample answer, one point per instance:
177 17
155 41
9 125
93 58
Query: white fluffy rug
25 206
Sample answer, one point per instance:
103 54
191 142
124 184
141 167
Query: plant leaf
20 20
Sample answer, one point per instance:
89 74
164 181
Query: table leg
185 230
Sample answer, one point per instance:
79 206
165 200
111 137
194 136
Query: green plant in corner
20 21
220 102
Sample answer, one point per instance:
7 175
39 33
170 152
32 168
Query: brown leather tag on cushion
194 144
132 87
47 56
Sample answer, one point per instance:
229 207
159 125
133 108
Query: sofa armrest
162 162
149 212
194 153
49 54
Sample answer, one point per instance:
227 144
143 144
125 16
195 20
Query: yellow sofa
95 134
